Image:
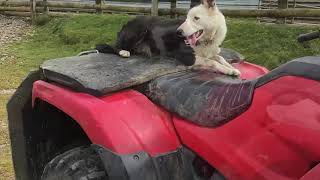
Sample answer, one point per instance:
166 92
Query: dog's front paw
124 53
235 72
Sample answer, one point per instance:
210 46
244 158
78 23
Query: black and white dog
151 36
194 41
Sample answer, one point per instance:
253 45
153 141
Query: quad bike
98 116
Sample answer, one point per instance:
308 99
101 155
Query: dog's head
199 23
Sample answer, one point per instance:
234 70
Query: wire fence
280 11
293 4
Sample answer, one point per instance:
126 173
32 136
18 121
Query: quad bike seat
203 97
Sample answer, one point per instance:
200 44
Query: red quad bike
98 116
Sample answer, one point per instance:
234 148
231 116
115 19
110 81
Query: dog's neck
205 42
210 35
205 49
208 39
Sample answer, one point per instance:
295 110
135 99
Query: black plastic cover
175 165
20 116
99 74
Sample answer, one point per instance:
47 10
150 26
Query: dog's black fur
152 36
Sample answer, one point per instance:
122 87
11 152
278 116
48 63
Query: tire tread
81 163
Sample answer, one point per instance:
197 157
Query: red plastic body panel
250 71
125 122
277 138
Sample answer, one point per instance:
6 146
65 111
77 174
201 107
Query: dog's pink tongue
192 40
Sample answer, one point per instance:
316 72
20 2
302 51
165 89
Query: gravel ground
11 29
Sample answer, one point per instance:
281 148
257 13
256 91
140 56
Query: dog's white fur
208 18
124 53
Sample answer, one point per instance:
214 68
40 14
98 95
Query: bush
42 20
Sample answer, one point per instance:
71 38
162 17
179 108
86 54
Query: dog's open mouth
193 38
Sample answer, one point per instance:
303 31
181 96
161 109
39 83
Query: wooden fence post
294 6
45 7
154 8
98 7
194 3
282 4
33 10
173 8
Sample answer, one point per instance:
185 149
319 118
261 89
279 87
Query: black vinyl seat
205 98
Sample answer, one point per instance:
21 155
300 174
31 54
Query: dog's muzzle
180 33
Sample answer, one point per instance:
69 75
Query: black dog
151 36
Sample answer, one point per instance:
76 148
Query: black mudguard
19 110
175 165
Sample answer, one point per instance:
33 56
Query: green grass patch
60 37
42 20
6 167
267 45
3 119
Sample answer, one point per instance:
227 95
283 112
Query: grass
6 168
267 45
3 120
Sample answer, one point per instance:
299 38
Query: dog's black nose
180 32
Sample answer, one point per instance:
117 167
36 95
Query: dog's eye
196 18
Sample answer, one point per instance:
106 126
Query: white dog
194 42
205 29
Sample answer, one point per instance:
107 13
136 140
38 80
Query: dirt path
12 29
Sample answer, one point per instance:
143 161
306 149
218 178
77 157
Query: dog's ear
208 3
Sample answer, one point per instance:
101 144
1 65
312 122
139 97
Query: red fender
125 122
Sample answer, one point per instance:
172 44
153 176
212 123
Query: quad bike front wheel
81 163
